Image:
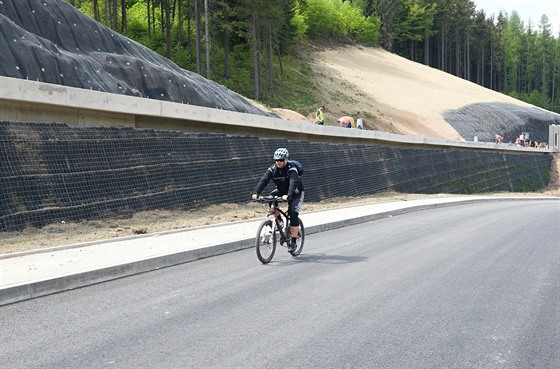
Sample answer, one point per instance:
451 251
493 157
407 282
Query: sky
527 9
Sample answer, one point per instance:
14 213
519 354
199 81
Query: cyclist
289 185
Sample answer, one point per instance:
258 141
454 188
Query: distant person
522 140
319 117
360 123
347 122
498 139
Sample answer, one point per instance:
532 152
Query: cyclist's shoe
292 247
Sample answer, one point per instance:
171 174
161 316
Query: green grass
295 89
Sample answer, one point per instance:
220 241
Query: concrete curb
91 277
67 282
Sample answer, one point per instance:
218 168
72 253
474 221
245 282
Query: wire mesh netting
54 172
51 41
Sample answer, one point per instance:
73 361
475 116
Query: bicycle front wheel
300 240
266 242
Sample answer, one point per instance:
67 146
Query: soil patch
148 222
394 94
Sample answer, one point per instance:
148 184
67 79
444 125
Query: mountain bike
276 229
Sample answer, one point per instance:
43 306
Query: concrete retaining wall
29 101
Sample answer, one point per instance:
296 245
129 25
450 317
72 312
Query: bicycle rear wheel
300 240
266 242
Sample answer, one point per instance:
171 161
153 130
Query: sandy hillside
391 93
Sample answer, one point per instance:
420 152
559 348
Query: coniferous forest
246 44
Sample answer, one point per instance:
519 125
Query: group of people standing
523 141
345 121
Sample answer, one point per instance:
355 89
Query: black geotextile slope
50 41
484 120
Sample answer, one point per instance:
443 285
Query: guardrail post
554 137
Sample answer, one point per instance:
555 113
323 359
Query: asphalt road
469 286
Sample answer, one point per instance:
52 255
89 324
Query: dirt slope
391 93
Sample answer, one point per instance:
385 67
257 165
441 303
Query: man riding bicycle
289 185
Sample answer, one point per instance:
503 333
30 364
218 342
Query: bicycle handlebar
270 198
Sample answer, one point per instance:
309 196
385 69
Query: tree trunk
207 32
95 10
167 26
197 37
483 68
441 50
427 50
189 33
544 84
153 17
179 32
492 64
280 61
270 62
554 79
114 15
149 19
227 69
457 55
123 16
106 20
467 56
173 7
256 59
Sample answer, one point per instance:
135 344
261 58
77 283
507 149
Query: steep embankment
50 41
397 95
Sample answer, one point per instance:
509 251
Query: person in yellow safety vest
347 122
319 117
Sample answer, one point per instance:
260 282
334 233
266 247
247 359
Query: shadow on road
321 258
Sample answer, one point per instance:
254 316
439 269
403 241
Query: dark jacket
286 179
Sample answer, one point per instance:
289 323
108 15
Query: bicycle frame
281 217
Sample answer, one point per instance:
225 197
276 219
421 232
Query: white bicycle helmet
281 154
